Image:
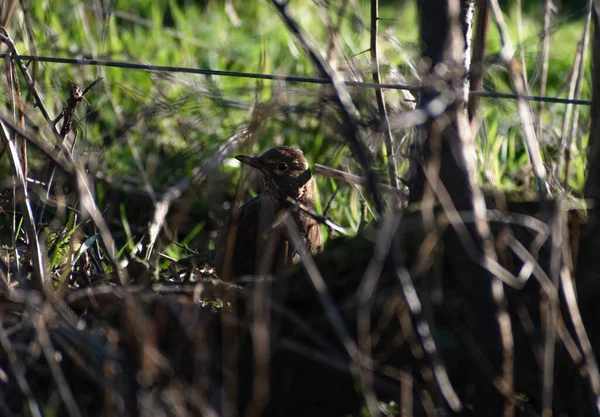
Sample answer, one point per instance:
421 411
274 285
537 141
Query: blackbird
253 241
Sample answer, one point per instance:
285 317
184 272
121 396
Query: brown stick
520 89
479 47
544 54
585 42
356 180
389 145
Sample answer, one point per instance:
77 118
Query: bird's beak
252 161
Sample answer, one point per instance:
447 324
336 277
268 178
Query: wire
274 77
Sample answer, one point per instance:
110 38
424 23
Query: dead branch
389 144
520 89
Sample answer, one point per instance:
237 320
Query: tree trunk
443 168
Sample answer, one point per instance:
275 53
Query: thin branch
333 315
591 365
391 157
356 180
368 283
565 132
519 89
321 219
37 256
580 76
543 60
520 39
332 34
552 311
479 48
424 332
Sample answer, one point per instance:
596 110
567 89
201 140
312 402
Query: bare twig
321 219
16 102
466 15
333 315
39 270
543 60
391 157
565 133
42 146
520 40
427 341
356 180
333 33
591 365
580 76
479 48
368 283
520 90
552 312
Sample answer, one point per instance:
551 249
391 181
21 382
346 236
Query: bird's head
283 170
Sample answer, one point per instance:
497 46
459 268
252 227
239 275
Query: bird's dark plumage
251 243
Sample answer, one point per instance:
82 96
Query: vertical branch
11 78
450 153
520 39
7 11
581 74
482 232
543 59
16 102
466 18
551 307
22 196
565 132
587 349
479 48
389 145
520 89
333 33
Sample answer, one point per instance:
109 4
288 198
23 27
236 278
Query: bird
253 242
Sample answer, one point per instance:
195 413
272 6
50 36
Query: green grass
176 121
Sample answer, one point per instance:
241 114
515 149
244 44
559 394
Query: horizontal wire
274 77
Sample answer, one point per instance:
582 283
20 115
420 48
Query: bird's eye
282 166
